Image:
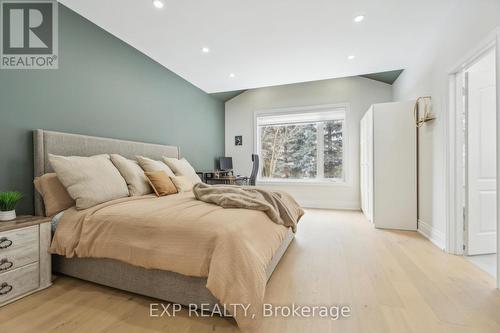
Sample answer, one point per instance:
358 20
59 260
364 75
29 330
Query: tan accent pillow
161 183
55 197
133 174
182 183
150 165
89 180
182 168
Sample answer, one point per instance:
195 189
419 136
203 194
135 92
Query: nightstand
25 263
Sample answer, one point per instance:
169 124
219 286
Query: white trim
454 221
454 165
453 228
497 50
302 182
435 236
320 152
299 109
345 107
452 239
296 117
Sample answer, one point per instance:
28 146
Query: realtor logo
29 34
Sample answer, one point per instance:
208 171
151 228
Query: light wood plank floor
394 281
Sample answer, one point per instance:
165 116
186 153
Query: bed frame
163 285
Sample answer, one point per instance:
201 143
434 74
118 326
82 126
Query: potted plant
8 201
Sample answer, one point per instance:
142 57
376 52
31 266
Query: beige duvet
231 247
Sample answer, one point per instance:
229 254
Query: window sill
303 183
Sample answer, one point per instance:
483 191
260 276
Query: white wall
358 92
461 30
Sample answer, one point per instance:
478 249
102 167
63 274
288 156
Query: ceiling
270 42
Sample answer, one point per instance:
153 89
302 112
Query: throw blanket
280 207
231 247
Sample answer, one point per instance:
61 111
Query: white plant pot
8 215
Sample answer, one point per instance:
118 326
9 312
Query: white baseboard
343 205
435 236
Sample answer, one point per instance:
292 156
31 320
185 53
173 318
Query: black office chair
255 170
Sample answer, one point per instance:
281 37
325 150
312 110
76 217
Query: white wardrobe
388 166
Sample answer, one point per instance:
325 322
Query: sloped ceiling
266 43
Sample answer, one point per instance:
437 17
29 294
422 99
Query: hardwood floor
394 281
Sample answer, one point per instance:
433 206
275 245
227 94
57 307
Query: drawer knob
5 288
5 243
5 264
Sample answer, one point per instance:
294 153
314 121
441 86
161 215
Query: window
302 146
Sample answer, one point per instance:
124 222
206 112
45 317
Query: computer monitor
225 163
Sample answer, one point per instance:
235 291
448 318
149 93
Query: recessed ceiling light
158 4
359 18
231 75
205 50
351 57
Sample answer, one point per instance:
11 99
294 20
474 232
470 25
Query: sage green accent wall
103 87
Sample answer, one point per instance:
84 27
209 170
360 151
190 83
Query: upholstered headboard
66 144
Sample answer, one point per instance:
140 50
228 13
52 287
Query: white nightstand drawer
18 248
17 238
19 282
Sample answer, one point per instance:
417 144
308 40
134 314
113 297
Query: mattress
164 285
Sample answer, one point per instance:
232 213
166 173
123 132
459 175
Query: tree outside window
293 147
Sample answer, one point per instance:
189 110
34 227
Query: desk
208 177
228 180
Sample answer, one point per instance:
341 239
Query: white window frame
341 107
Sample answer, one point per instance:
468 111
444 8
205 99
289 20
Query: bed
156 283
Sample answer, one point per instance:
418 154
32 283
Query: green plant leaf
8 200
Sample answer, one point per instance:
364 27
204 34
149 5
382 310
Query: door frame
454 195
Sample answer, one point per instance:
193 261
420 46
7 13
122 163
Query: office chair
255 170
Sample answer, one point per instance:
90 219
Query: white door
481 160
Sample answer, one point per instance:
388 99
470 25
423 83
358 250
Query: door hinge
463 247
464 91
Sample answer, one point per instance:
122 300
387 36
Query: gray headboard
66 144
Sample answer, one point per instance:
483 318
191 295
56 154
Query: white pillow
150 165
182 183
133 174
182 168
89 180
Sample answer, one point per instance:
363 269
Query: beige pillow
133 174
182 183
55 197
182 168
150 165
161 183
89 180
